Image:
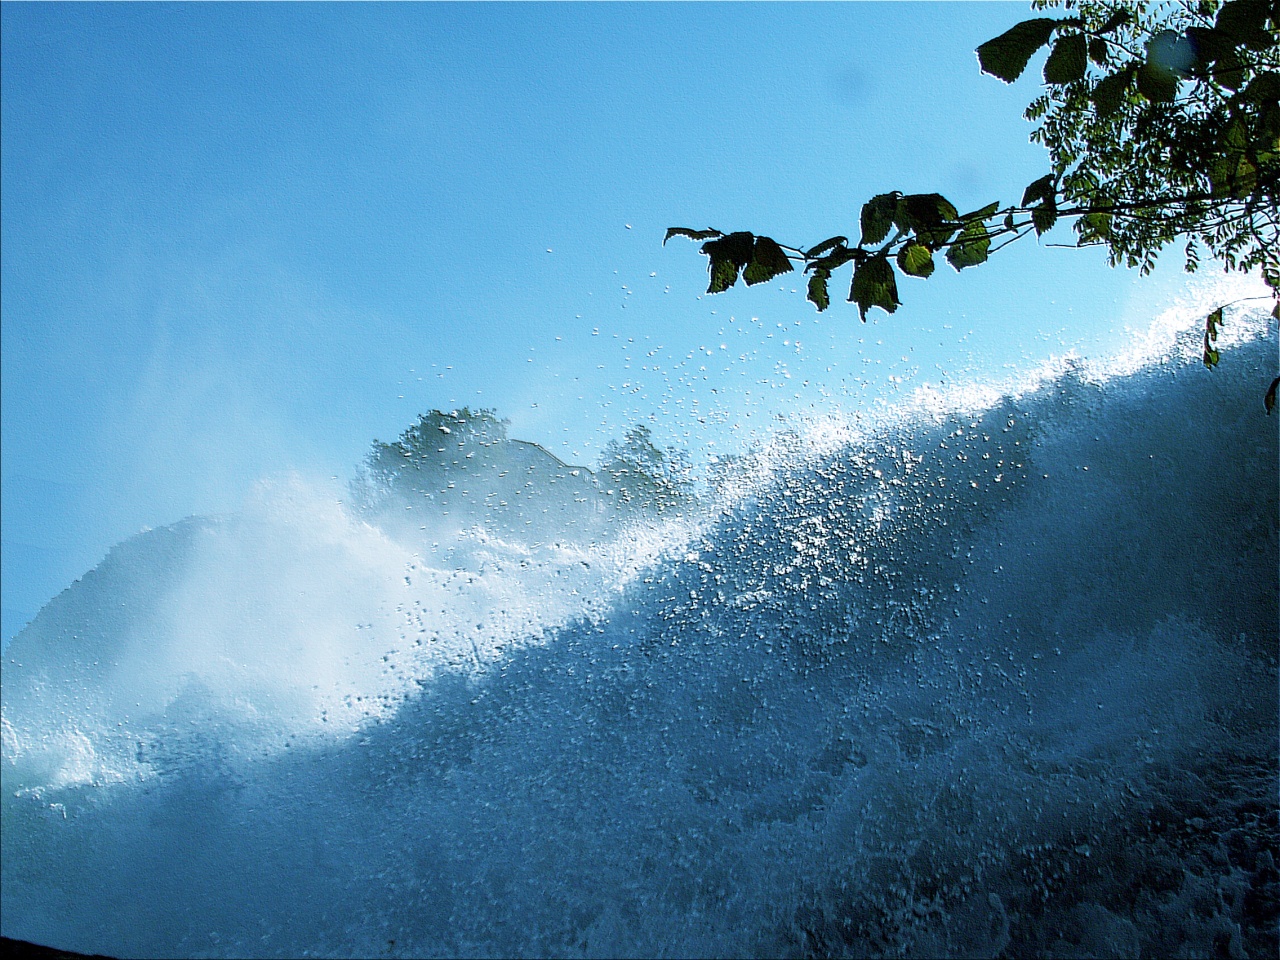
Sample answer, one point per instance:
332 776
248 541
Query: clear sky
243 239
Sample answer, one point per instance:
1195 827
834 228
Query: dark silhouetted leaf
768 260
1245 23
874 285
915 260
982 213
736 248
691 234
1222 175
970 248
1156 84
1044 216
931 215
1245 180
930 208
877 217
1067 61
1264 88
1098 51
1269 401
824 246
1232 172
724 274
1006 56
1108 95
818 294
728 255
1043 189
835 259
1228 70
1208 44
1236 138
1117 19
1169 58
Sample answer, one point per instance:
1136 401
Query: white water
993 674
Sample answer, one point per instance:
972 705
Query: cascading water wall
991 676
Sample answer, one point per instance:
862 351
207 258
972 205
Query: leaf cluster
1162 123
905 230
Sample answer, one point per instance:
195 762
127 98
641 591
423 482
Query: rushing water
991 676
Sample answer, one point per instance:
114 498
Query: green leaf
1094 226
1082 184
1245 23
1262 89
1117 19
1108 95
1006 56
1269 401
824 246
818 294
1170 57
724 274
874 285
877 217
1236 138
736 247
931 215
1043 189
1232 172
970 248
1228 70
1211 325
691 234
1067 61
835 259
728 255
982 213
1098 51
929 208
1209 44
1246 179
1211 354
915 260
768 260
1044 216
1222 175
1271 277
1157 84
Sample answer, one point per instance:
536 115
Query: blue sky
242 239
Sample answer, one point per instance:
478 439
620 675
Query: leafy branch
1161 122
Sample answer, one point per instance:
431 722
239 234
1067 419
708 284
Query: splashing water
996 674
